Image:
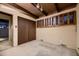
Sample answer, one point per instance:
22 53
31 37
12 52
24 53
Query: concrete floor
5 44
38 48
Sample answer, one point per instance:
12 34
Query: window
56 20
63 19
49 22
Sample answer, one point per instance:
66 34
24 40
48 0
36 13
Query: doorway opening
4 29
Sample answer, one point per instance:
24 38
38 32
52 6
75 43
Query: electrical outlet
41 40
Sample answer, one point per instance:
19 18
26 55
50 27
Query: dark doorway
4 28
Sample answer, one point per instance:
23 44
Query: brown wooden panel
22 31
32 31
56 20
40 23
26 30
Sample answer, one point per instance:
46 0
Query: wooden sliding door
26 30
32 31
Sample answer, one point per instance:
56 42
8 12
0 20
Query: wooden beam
57 8
34 4
21 8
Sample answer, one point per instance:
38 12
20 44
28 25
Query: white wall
58 35
77 46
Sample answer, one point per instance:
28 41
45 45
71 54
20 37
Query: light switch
15 26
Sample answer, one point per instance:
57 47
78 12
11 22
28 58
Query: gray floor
5 44
38 48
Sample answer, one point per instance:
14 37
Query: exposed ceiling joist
40 10
57 8
19 7
37 10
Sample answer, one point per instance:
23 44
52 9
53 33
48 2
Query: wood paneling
40 23
26 30
32 31
32 9
25 10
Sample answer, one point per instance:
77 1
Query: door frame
10 35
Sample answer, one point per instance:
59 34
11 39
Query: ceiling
47 8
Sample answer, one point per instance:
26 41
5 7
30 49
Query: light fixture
38 6
41 9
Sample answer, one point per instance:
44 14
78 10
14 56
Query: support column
15 30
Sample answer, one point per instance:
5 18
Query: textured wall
59 35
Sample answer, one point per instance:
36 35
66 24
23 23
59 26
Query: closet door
32 31
22 30
26 30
